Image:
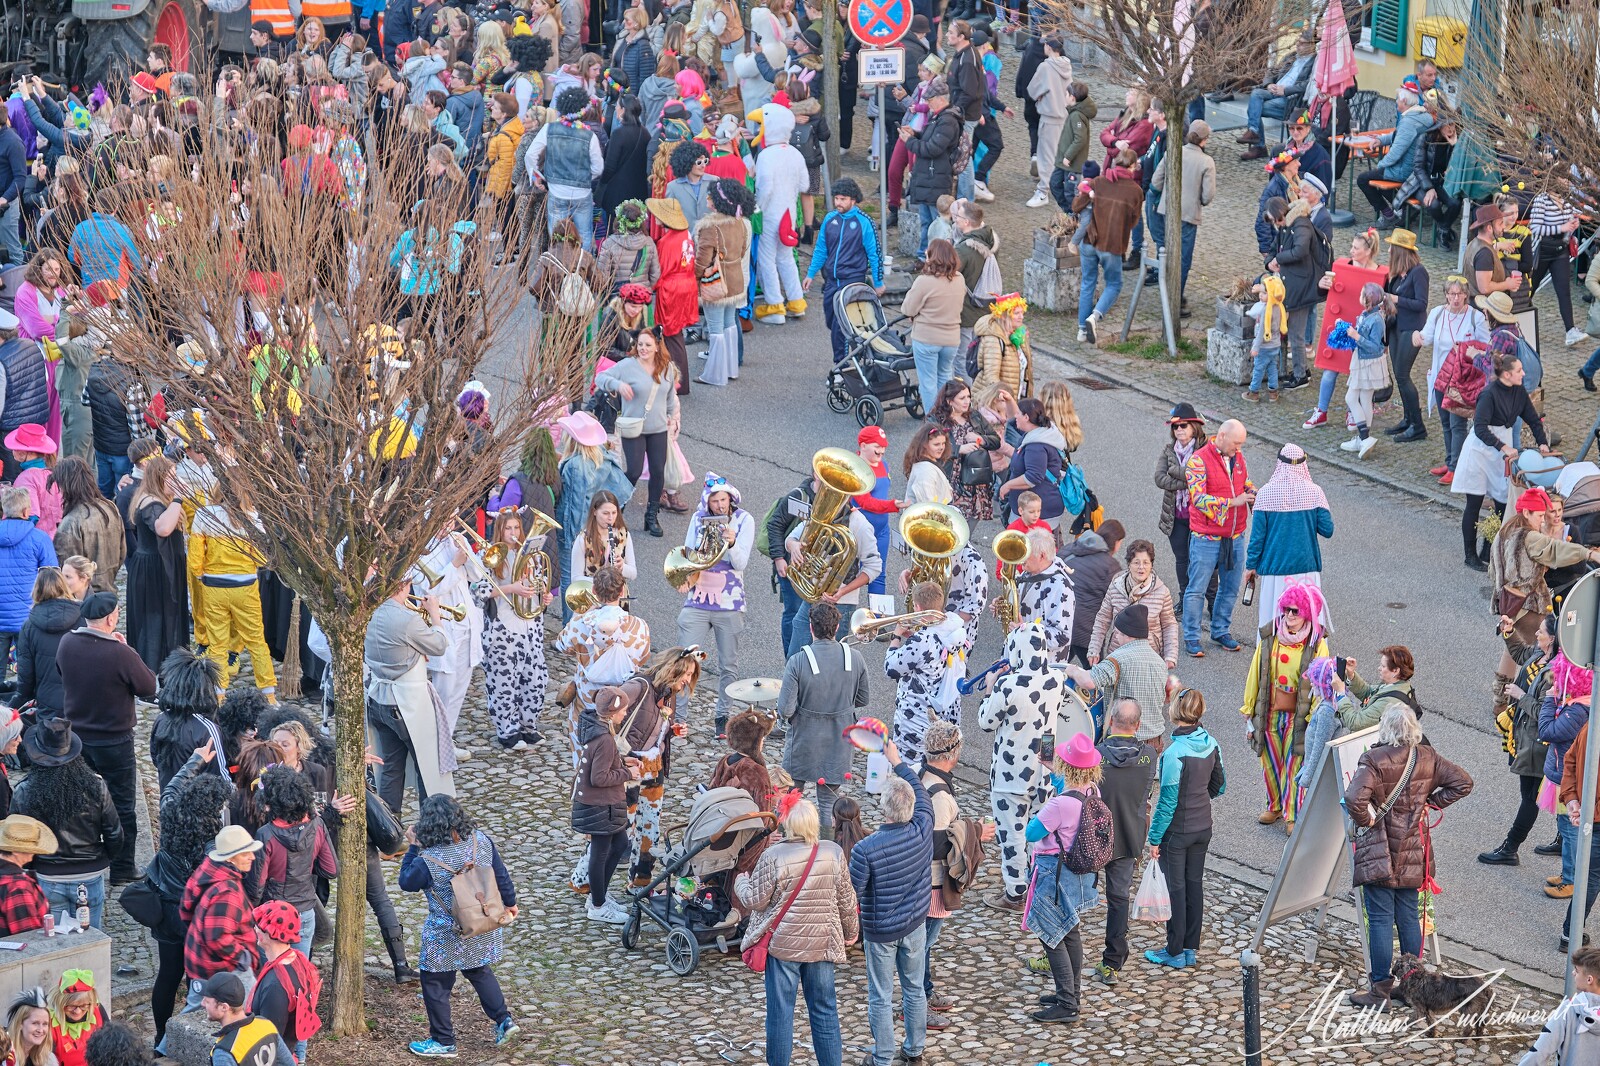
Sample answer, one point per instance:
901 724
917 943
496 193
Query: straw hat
29 836
1497 305
668 212
1402 238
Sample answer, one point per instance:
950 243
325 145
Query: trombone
492 555
453 612
867 625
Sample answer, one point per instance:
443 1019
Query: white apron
421 711
1481 470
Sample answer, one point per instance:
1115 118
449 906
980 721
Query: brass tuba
935 533
1012 549
580 595
827 549
683 565
532 566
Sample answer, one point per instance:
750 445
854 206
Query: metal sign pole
1580 634
883 181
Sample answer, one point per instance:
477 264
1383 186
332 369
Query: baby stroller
696 906
877 373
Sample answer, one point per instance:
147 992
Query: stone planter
1047 246
1050 284
1227 358
1233 320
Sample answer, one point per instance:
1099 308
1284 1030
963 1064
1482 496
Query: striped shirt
1548 217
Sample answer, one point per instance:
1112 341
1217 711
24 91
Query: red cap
873 435
1534 500
147 81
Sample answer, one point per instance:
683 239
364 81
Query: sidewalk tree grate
1094 384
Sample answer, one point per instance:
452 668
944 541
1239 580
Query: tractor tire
116 49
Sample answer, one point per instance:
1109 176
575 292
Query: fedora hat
1184 412
29 836
1402 238
30 437
1485 214
668 212
233 840
52 742
1497 305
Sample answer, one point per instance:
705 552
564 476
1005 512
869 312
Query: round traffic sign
879 23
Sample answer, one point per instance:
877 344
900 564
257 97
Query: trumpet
867 625
492 555
454 612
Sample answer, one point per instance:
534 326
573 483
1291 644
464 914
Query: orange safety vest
326 10
276 12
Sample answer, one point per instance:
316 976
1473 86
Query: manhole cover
1395 606
1094 384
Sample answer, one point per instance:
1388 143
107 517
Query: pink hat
30 437
1079 751
581 426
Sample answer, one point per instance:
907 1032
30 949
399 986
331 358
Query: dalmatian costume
1047 597
918 665
969 591
1020 710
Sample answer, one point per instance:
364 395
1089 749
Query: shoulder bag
475 901
1359 831
628 428
755 956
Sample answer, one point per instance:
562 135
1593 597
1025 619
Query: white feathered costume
780 178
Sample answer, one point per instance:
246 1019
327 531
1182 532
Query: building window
1385 26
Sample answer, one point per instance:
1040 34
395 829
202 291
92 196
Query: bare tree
1176 50
321 327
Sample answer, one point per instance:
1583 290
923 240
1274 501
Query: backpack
574 298
988 287
475 901
1091 845
1073 487
971 360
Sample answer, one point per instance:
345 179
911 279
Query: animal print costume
1021 709
969 590
1047 598
918 666
514 673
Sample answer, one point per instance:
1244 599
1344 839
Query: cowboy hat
1184 412
667 212
1402 238
232 840
584 428
30 437
1079 752
1497 305
29 836
1485 214
52 742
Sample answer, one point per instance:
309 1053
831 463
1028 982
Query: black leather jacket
86 837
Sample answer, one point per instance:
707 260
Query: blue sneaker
1226 641
1188 956
1158 956
1192 649
432 1049
504 1032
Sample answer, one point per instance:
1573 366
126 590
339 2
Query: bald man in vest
1220 497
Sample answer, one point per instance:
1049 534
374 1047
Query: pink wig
1569 679
1307 599
690 84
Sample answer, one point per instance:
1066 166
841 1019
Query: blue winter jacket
1559 727
1286 542
847 250
1191 777
892 871
1405 144
1266 232
24 548
420 265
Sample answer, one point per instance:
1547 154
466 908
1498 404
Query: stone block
910 231
1234 320
190 1038
43 959
1227 358
1049 287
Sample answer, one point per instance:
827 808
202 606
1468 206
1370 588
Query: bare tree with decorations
1177 50
314 316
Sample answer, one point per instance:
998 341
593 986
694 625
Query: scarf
1293 639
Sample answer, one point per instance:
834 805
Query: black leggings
1183 860
605 855
378 895
1403 355
1527 812
1469 522
1551 260
636 450
169 979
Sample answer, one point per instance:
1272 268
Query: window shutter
1389 18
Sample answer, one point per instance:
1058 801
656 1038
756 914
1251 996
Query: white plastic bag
1152 903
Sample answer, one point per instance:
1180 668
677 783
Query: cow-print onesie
918 665
1020 710
1047 598
969 590
514 673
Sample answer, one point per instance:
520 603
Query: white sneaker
1083 337
1091 326
1039 199
520 745
1366 446
981 193
1351 445
608 913
1575 336
463 754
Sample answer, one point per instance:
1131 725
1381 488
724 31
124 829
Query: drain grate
1094 384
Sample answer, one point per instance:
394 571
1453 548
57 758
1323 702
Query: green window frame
1390 25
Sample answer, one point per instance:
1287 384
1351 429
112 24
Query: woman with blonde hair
587 467
1057 896
545 21
490 55
1180 830
28 1026
998 406
79 574
1063 414
54 614
1003 351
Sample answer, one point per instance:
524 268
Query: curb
1122 381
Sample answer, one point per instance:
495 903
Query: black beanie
1133 621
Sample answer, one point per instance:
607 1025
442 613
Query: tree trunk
830 90
1173 191
348 1015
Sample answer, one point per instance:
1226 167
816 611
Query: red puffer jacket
1462 377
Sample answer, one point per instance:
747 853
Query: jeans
1389 909
1119 894
308 930
791 608
1066 967
1330 378
936 363
109 469
580 211
1568 833
63 896
1183 861
699 626
1455 428
1187 256
1091 263
1154 220
1265 369
720 317
436 986
1262 104
1062 188
964 180
800 631
1378 198
1195 110
784 980
1590 890
931 928
906 957
10 235
1206 557
926 213
1591 366
115 763
1179 541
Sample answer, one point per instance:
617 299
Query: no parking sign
879 23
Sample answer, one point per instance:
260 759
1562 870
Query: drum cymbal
755 690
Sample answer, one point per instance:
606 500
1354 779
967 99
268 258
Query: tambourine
868 734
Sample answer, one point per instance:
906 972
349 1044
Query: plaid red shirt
22 904
222 935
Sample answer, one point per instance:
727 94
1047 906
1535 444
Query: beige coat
94 532
1199 183
823 918
1000 360
1163 622
719 234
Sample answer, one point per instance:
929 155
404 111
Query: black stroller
878 372
696 905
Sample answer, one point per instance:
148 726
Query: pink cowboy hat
30 437
584 428
1079 751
